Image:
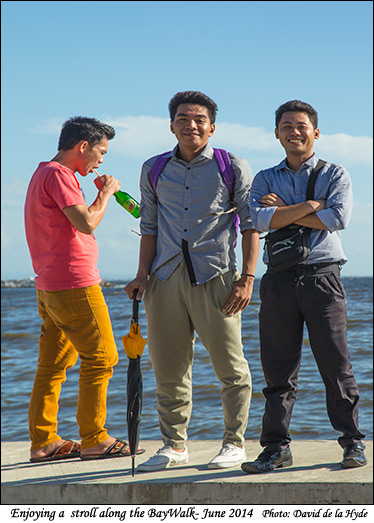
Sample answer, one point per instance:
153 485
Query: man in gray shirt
187 266
310 292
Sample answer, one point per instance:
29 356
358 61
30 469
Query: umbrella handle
135 306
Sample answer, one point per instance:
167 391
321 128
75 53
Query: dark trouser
314 295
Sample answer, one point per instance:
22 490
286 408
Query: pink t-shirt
62 257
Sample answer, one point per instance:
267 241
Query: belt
312 268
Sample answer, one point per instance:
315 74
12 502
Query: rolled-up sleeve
148 203
261 216
339 202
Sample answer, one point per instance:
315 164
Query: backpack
224 164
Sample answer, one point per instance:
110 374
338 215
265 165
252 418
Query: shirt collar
207 152
309 164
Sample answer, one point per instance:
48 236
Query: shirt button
187 187
188 168
186 208
185 230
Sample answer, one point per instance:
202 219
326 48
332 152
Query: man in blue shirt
187 268
310 292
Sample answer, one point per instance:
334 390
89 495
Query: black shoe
268 461
353 456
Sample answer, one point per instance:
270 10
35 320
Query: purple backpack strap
157 168
224 164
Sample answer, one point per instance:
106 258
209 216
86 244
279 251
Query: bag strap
157 168
312 179
222 159
224 164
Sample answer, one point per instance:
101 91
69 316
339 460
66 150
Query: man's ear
172 127
316 134
276 133
212 129
82 146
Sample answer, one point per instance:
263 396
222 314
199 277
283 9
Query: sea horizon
112 280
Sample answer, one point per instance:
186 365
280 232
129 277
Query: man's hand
272 200
240 296
107 183
302 213
138 283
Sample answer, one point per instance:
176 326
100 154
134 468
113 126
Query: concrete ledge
315 478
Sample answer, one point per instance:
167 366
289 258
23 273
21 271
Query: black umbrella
134 345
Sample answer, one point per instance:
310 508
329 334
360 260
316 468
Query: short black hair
298 107
193 97
81 128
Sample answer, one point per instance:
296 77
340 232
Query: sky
121 62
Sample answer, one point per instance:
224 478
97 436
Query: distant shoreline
30 282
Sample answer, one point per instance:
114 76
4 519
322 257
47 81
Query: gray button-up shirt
333 184
191 198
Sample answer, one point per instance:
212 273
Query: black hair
299 107
193 97
81 128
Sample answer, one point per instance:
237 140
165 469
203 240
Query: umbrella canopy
134 345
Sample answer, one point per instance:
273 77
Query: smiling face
296 133
192 127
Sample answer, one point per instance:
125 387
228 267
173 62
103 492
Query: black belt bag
290 245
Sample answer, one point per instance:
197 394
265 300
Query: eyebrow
290 122
195 115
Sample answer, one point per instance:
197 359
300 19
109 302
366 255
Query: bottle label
130 204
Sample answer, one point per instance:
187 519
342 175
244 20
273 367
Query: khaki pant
174 309
76 322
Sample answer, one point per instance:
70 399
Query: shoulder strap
221 156
312 180
157 168
224 164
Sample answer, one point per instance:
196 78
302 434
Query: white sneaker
229 456
163 459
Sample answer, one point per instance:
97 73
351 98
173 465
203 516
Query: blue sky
121 62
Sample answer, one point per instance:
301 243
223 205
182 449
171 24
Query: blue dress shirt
333 185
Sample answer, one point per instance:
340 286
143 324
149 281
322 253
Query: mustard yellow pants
75 322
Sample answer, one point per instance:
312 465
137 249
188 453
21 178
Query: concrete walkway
315 478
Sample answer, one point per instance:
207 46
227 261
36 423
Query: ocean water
19 338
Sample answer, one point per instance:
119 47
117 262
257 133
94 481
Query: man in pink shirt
59 230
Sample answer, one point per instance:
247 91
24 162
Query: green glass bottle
128 203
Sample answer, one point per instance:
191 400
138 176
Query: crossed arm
303 213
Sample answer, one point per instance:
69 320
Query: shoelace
228 449
166 450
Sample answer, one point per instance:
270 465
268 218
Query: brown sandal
114 451
68 449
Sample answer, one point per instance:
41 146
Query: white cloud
49 126
362 214
249 138
141 136
342 148
144 136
